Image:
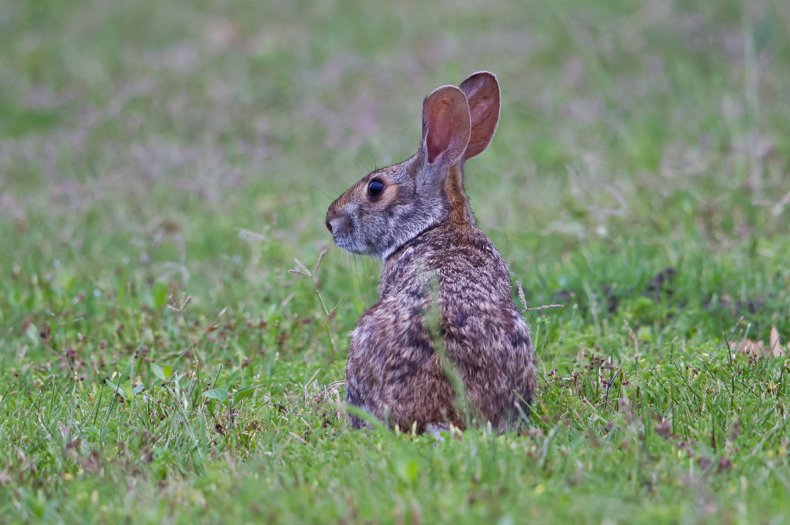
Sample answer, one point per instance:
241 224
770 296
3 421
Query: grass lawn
163 164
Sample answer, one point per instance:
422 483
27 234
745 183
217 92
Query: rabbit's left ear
482 92
446 126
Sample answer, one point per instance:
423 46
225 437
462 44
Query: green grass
163 164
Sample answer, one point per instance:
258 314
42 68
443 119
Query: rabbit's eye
375 188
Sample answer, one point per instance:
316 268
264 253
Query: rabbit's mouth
348 238
349 244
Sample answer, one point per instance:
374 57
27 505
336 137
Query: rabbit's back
448 288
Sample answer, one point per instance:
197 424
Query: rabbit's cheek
387 198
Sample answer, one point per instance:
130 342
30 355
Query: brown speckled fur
436 263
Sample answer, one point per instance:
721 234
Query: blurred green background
162 164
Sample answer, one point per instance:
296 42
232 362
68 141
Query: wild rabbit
445 343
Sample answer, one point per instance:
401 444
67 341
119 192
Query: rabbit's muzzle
341 226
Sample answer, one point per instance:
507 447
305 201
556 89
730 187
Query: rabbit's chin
352 245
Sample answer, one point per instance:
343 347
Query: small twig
319 259
300 438
521 295
172 305
527 308
545 307
609 386
300 269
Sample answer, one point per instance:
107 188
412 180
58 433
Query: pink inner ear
482 91
446 124
439 131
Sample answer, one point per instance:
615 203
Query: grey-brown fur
444 290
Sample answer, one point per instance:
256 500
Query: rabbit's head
392 205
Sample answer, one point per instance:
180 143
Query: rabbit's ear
482 92
445 126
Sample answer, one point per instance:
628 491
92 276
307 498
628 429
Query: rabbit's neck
460 213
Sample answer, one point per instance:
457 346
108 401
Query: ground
164 165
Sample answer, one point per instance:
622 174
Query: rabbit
444 345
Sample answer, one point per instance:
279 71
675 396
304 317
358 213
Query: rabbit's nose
329 226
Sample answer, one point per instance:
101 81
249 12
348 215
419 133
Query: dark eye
375 187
